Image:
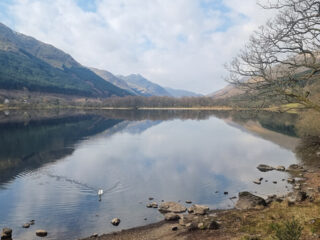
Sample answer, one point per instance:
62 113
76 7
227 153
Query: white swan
100 193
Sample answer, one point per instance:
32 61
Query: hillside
143 86
181 93
26 63
226 92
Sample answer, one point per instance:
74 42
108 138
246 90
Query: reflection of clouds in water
178 157
174 160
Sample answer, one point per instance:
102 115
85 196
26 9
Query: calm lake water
52 166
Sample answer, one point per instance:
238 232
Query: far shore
213 108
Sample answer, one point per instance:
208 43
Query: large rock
265 168
185 219
198 209
6 233
248 200
174 207
41 233
298 196
201 222
295 167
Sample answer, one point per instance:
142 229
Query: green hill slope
28 63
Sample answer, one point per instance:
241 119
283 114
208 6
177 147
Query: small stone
150 198
171 216
174 228
257 182
149 205
188 202
280 168
32 222
95 235
264 168
115 221
291 180
225 193
291 201
41 233
26 225
191 226
234 197
213 225
154 205
274 182
145 219
201 226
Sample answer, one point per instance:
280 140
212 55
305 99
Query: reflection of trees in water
308 128
309 150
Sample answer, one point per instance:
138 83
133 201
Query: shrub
289 230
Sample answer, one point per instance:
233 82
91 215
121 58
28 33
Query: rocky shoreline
249 220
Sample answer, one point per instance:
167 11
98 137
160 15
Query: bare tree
282 58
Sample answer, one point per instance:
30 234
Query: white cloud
173 43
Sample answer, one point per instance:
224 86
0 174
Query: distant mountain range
138 85
28 64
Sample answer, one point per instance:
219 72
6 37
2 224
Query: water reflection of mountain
27 147
30 139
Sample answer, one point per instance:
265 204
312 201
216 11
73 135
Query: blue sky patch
4 12
87 5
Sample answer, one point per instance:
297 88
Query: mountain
226 92
181 93
109 77
143 86
26 63
138 85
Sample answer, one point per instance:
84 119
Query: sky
175 43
